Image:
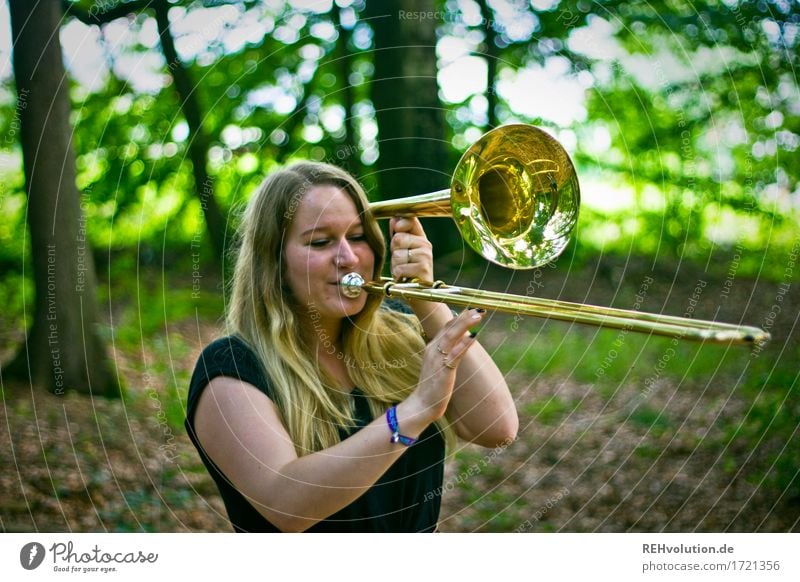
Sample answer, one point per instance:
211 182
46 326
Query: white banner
330 558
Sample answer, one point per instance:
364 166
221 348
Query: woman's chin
342 307
352 307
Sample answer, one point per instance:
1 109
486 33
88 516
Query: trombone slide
651 323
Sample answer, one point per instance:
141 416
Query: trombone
515 197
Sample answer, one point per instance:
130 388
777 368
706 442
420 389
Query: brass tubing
433 204
665 325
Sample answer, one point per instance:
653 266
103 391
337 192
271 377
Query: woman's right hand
440 362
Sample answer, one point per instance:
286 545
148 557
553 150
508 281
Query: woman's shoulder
227 356
226 348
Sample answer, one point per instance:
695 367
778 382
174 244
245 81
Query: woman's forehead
326 205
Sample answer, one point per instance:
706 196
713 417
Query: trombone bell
514 196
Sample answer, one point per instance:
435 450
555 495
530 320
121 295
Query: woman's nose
345 256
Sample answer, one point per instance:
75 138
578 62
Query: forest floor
618 431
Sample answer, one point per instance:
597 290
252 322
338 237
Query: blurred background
132 132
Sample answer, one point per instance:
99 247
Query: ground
618 432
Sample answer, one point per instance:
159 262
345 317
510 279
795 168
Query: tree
189 103
492 54
198 142
345 61
63 349
414 152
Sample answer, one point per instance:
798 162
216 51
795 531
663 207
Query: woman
327 413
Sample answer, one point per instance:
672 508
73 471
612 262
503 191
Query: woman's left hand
412 252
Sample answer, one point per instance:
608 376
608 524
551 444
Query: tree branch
99 17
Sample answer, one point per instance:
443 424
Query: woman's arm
240 430
481 410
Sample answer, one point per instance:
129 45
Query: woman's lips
339 280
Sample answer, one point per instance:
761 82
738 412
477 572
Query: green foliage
653 420
773 388
550 411
696 101
715 136
142 510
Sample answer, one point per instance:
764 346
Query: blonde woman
327 413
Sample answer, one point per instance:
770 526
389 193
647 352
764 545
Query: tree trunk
347 156
413 144
197 140
492 55
63 349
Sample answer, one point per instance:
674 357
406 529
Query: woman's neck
325 335
326 347
335 367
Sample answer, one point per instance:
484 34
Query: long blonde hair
381 348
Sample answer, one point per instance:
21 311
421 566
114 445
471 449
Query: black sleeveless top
405 499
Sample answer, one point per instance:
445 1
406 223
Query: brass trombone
514 196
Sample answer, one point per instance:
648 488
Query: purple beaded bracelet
391 419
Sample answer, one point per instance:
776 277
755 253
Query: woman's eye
321 242
357 237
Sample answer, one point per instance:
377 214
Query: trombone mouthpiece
351 285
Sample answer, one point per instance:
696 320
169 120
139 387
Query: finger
409 271
409 224
458 328
406 240
456 353
412 257
411 250
460 349
403 255
401 258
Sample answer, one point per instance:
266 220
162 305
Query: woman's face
325 242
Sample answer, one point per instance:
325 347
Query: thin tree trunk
492 55
197 140
414 152
63 349
347 157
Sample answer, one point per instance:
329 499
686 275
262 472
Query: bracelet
391 419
